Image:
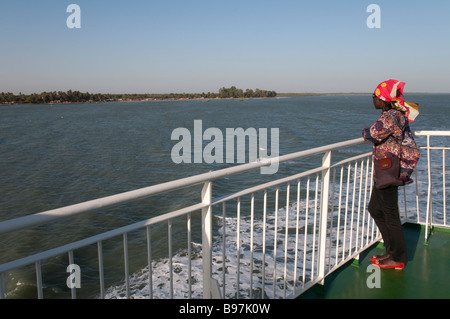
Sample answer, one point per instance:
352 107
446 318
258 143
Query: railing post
428 217
326 163
207 238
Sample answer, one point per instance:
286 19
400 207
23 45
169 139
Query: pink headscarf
387 91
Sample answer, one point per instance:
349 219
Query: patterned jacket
392 136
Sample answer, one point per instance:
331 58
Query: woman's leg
383 207
376 211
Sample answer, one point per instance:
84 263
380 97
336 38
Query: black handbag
387 172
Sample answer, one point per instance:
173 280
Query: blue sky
179 46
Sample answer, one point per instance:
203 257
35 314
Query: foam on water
139 282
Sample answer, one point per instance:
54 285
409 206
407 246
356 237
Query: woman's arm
380 130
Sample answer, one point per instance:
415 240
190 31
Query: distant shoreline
159 99
74 97
195 97
144 100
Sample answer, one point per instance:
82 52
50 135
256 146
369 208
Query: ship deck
426 276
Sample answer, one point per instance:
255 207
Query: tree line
233 92
81 97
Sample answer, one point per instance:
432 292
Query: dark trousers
383 207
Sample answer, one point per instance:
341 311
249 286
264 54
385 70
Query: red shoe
379 258
389 263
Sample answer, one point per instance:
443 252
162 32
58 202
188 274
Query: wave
249 256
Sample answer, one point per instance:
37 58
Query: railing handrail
93 239
108 201
432 133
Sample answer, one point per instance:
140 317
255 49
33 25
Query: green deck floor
426 276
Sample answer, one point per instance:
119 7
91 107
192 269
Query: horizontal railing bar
432 133
44 217
423 224
308 285
285 180
100 237
319 150
266 185
435 148
351 159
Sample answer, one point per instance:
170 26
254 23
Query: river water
57 155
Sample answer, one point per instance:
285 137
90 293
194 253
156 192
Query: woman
392 137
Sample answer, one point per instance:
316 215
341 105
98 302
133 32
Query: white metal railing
272 240
434 182
323 237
